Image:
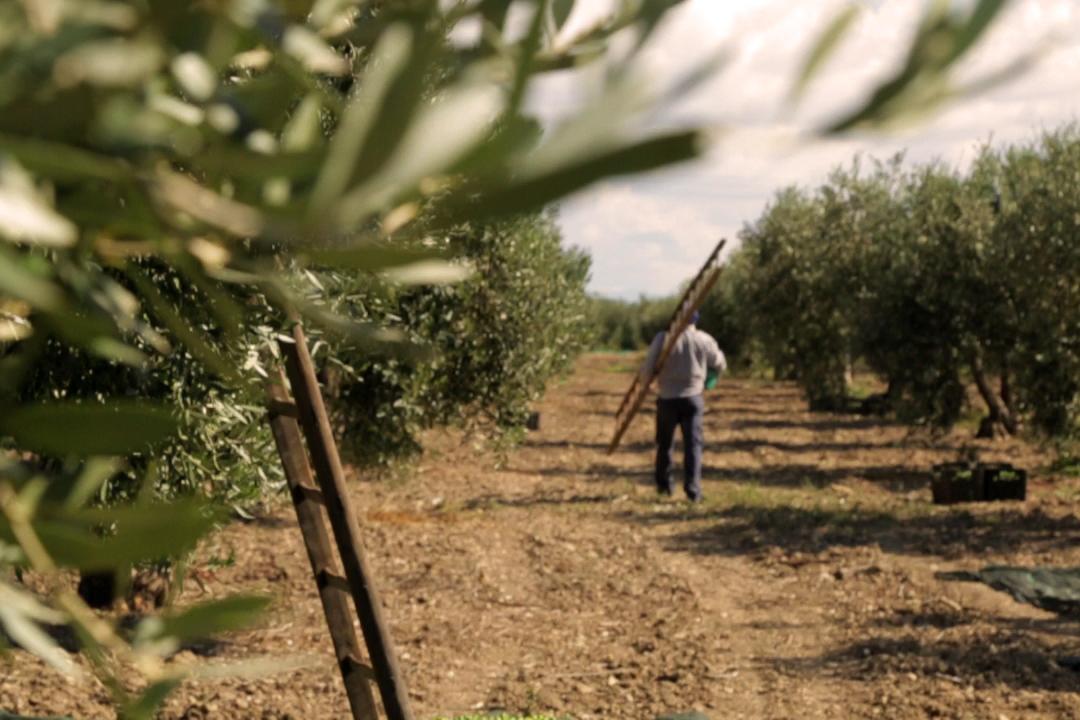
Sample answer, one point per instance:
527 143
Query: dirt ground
553 579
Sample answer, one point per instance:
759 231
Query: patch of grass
970 420
865 384
821 504
859 391
503 717
219 561
753 495
748 495
1066 464
1068 493
622 367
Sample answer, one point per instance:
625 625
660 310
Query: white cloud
641 252
648 234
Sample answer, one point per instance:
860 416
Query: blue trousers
686 413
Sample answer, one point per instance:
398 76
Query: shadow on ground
1062 625
893 478
953 534
716 448
601 447
68 638
597 471
1011 658
492 500
815 424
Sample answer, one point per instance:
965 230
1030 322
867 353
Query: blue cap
695 317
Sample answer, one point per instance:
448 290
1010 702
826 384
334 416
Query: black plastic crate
956 482
959 482
1002 481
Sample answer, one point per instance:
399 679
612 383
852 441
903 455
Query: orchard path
552 580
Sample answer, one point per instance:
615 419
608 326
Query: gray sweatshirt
683 374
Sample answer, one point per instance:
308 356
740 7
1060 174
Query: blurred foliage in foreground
168 171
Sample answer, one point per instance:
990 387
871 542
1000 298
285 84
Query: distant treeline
628 325
632 324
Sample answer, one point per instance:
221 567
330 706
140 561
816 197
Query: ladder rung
305 492
350 664
325 578
283 408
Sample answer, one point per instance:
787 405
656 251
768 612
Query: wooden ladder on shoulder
293 421
695 295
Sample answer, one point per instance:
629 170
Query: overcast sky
649 234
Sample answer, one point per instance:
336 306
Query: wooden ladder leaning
293 421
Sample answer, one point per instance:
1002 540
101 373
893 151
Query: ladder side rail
626 398
684 322
290 445
713 258
621 430
328 471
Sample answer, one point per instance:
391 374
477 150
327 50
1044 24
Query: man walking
681 403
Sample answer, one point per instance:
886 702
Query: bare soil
553 579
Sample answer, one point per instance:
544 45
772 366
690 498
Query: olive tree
490 342
1035 255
